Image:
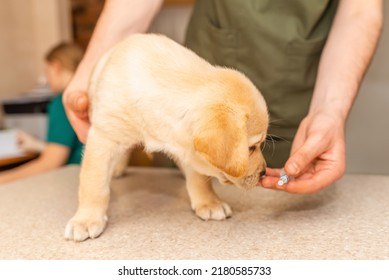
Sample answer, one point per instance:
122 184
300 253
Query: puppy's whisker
273 142
278 120
265 145
273 138
271 122
277 137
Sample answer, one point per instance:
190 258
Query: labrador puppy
150 90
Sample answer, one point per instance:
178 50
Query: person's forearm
52 157
346 56
118 19
34 167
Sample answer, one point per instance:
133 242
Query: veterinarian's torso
275 43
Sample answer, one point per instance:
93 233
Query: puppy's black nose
262 173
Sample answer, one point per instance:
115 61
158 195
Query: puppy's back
150 57
146 70
149 80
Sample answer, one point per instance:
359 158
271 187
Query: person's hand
76 105
317 156
28 143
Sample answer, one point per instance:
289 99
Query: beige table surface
150 218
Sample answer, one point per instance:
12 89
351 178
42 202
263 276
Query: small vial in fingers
283 178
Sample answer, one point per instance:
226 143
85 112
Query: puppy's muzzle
251 181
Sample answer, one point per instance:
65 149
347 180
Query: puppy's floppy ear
222 139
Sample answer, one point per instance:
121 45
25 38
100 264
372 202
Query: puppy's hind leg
96 172
203 198
122 163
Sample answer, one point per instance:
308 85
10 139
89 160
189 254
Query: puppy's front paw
84 226
217 210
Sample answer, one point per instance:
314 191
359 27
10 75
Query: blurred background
28 28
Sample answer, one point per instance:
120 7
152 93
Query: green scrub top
277 44
61 132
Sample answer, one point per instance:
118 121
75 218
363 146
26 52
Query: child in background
62 146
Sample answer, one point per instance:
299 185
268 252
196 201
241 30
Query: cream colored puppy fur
149 89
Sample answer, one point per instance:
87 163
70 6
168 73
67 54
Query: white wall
368 126
28 28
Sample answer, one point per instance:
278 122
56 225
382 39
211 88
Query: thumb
311 149
77 102
82 102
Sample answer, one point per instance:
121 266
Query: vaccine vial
283 178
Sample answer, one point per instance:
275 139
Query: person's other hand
28 143
76 105
317 156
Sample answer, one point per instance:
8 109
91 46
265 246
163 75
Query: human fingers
76 105
270 178
314 183
274 172
23 139
310 150
19 137
77 102
20 143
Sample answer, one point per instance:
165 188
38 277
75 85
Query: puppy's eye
252 149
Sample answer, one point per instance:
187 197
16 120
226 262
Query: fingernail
293 168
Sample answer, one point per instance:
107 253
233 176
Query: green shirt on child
61 132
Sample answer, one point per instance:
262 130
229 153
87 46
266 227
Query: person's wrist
332 101
80 80
336 113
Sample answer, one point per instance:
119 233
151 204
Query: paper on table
8 144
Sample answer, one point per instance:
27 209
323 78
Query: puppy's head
231 132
